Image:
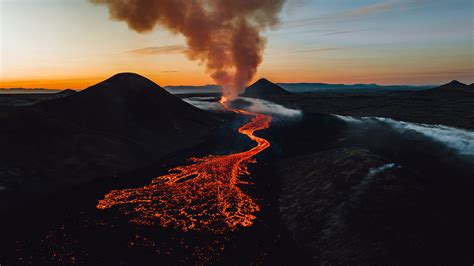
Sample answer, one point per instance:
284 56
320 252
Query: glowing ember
203 196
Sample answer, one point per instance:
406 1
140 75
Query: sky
61 44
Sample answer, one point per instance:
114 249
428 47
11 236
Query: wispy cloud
339 32
316 50
359 12
159 50
383 6
169 71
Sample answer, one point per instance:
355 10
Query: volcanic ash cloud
223 34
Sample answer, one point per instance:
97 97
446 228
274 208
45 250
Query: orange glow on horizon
85 82
81 83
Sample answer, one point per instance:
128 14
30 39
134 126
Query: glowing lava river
202 196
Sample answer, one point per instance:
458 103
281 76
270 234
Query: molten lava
203 196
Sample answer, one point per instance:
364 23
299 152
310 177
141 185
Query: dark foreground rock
349 206
116 126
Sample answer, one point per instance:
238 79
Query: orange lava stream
203 196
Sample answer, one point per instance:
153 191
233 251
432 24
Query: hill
453 86
264 88
114 127
131 106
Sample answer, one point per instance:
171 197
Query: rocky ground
454 109
332 193
349 206
52 142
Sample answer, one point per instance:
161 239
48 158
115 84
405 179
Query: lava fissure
202 196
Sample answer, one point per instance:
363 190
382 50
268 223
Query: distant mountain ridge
348 88
299 87
309 87
29 91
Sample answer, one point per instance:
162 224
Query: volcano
452 86
134 107
264 88
119 125
452 90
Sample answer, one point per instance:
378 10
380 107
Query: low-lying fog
253 105
460 140
438 142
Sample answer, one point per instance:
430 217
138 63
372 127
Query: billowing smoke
223 34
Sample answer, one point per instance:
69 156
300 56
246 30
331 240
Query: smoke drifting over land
223 34
460 140
278 111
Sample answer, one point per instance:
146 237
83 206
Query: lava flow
203 196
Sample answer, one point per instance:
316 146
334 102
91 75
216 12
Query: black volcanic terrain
118 125
340 184
451 104
374 194
351 206
131 106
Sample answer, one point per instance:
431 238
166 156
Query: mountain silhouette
134 107
264 88
452 89
66 92
121 124
453 85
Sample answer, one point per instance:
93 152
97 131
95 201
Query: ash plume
225 35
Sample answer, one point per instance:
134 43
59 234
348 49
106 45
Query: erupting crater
202 196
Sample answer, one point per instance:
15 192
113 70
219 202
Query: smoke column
223 34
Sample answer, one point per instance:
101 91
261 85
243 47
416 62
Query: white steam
360 188
256 105
267 107
204 103
460 140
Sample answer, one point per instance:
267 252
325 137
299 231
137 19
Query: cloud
364 11
159 50
169 71
339 32
373 9
316 50
380 7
